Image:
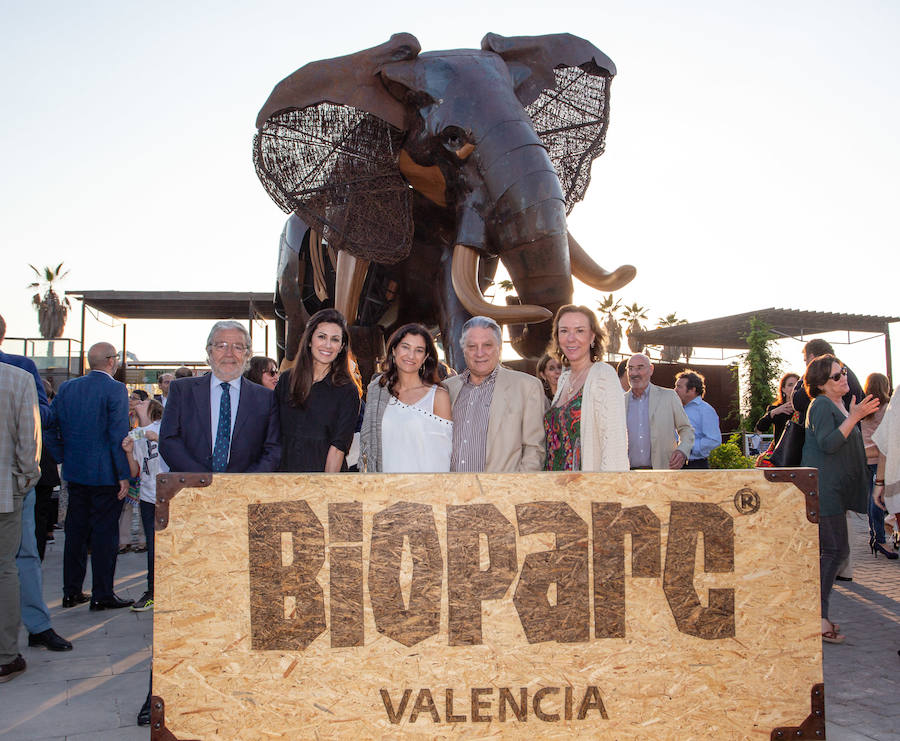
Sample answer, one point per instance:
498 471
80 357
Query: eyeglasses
271 372
840 374
238 347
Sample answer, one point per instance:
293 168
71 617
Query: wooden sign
647 604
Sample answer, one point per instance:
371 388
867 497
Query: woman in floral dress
585 425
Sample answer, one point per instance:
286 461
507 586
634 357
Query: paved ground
95 691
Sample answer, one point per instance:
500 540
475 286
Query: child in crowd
141 447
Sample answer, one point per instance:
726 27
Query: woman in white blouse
407 426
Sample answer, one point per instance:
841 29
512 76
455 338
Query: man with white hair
498 413
659 432
221 421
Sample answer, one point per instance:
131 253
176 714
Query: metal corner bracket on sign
168 485
806 480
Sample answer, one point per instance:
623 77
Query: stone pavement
862 675
95 691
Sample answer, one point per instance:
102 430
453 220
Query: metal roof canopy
728 332
175 305
178 304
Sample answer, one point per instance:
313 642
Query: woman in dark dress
318 399
834 445
780 412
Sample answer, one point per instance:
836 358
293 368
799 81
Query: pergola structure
730 332
175 305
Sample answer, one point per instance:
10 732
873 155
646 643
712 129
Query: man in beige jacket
659 432
498 413
20 454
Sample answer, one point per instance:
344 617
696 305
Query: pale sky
752 157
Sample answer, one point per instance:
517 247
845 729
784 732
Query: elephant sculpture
410 174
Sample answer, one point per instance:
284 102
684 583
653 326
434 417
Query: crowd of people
417 415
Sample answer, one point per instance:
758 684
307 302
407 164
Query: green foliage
729 455
52 311
670 320
761 366
634 313
610 306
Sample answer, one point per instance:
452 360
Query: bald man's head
102 356
639 371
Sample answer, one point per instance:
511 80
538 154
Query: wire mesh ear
571 120
336 167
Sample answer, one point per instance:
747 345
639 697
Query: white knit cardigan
604 435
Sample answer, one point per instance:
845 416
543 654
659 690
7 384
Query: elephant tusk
350 274
464 274
587 271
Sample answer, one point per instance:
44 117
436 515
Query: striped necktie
223 432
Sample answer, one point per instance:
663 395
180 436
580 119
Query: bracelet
879 482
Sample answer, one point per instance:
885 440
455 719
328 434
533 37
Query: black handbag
789 448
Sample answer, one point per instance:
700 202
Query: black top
768 419
328 418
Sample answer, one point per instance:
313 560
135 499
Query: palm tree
611 326
671 353
52 312
633 315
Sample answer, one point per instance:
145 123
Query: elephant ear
563 81
326 148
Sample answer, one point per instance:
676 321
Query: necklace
576 381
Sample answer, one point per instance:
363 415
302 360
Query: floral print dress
563 428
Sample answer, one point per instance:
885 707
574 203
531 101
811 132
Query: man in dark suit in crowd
88 420
221 421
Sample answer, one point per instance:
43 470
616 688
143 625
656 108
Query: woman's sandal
829 636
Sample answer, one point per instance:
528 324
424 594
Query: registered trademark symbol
746 501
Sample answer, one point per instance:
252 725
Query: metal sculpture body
413 166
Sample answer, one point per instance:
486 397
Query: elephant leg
367 344
288 290
350 274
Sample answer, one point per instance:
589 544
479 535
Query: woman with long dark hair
318 399
877 386
407 426
780 412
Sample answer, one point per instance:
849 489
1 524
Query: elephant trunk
528 226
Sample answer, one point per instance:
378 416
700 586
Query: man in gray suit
659 432
498 413
20 455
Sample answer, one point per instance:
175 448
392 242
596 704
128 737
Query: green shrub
729 455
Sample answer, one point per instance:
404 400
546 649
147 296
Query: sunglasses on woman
271 372
840 374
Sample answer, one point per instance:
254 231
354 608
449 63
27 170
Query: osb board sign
648 604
